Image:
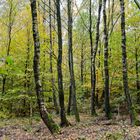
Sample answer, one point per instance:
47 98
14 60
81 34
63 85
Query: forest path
89 128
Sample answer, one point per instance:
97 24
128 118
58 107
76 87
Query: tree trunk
112 14
52 126
64 121
92 68
124 64
51 66
137 75
82 67
70 99
44 42
137 71
93 102
27 74
106 70
137 3
71 67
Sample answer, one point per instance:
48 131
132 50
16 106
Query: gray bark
92 68
137 3
71 67
51 61
52 126
94 59
64 121
106 70
124 64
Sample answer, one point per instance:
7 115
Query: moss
137 122
54 127
114 136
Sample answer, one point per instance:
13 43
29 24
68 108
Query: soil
90 128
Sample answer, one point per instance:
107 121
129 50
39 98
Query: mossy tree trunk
52 126
124 64
93 100
92 68
64 121
71 67
137 70
106 69
51 61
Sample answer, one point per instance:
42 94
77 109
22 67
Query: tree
71 69
137 70
137 3
27 83
52 126
51 62
106 69
124 64
93 112
64 121
137 75
94 59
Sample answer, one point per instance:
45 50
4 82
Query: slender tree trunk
93 112
110 28
82 65
27 77
112 14
51 60
52 126
70 99
124 64
64 121
137 3
71 67
27 74
94 59
109 17
70 103
106 70
137 72
137 75
44 42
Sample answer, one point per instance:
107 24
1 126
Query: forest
69 69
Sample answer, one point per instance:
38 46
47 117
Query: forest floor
90 128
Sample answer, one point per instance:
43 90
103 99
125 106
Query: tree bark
94 59
64 121
52 126
92 68
27 74
70 99
82 65
124 64
71 67
106 70
51 58
137 75
137 3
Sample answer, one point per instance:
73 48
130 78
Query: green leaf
9 60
